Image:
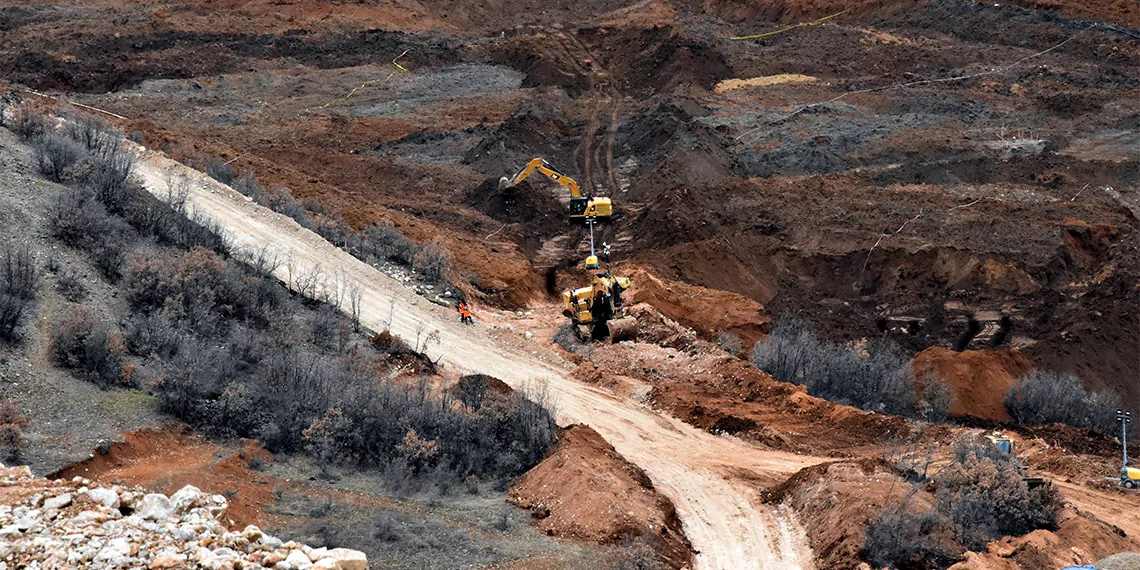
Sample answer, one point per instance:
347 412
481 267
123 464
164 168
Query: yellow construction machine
581 207
1004 445
598 311
1130 477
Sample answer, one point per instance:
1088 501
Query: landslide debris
586 490
978 379
68 524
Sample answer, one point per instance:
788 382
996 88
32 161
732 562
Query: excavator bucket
622 329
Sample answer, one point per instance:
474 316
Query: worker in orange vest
464 313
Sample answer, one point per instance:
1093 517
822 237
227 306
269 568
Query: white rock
298 561
252 533
57 502
349 559
115 549
186 498
270 542
154 507
327 564
106 497
528 335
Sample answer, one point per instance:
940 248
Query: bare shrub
384 528
79 220
57 156
986 497
910 540
12 424
382 243
83 343
247 184
18 272
472 389
633 554
433 261
153 335
69 284
109 175
874 377
28 123
13 311
936 399
18 275
91 132
220 171
1044 397
729 342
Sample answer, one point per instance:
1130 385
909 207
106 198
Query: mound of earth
168 459
978 379
586 490
836 501
707 311
534 130
671 148
1079 540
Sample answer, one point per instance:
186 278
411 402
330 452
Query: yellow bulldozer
1004 445
598 311
581 207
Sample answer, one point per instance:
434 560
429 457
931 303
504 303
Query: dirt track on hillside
723 518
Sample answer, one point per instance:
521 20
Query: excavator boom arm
544 167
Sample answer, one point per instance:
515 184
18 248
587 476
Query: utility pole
1124 418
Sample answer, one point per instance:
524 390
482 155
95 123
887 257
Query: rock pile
68 524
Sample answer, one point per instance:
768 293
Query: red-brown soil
165 460
586 490
978 379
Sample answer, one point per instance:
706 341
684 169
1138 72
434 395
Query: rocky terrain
78 523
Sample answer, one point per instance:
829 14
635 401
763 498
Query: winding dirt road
726 524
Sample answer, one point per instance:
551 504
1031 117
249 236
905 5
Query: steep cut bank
586 490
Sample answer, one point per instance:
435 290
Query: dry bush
18 275
81 342
28 123
875 378
433 261
984 494
729 342
1044 397
220 171
382 243
69 284
57 156
12 424
910 540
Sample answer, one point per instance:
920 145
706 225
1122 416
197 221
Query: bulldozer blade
623 329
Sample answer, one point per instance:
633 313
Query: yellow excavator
598 311
581 207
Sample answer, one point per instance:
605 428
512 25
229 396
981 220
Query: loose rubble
48 524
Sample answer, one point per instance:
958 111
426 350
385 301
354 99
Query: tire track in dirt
722 517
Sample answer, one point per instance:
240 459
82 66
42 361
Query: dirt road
723 519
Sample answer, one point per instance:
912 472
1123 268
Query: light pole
1124 418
